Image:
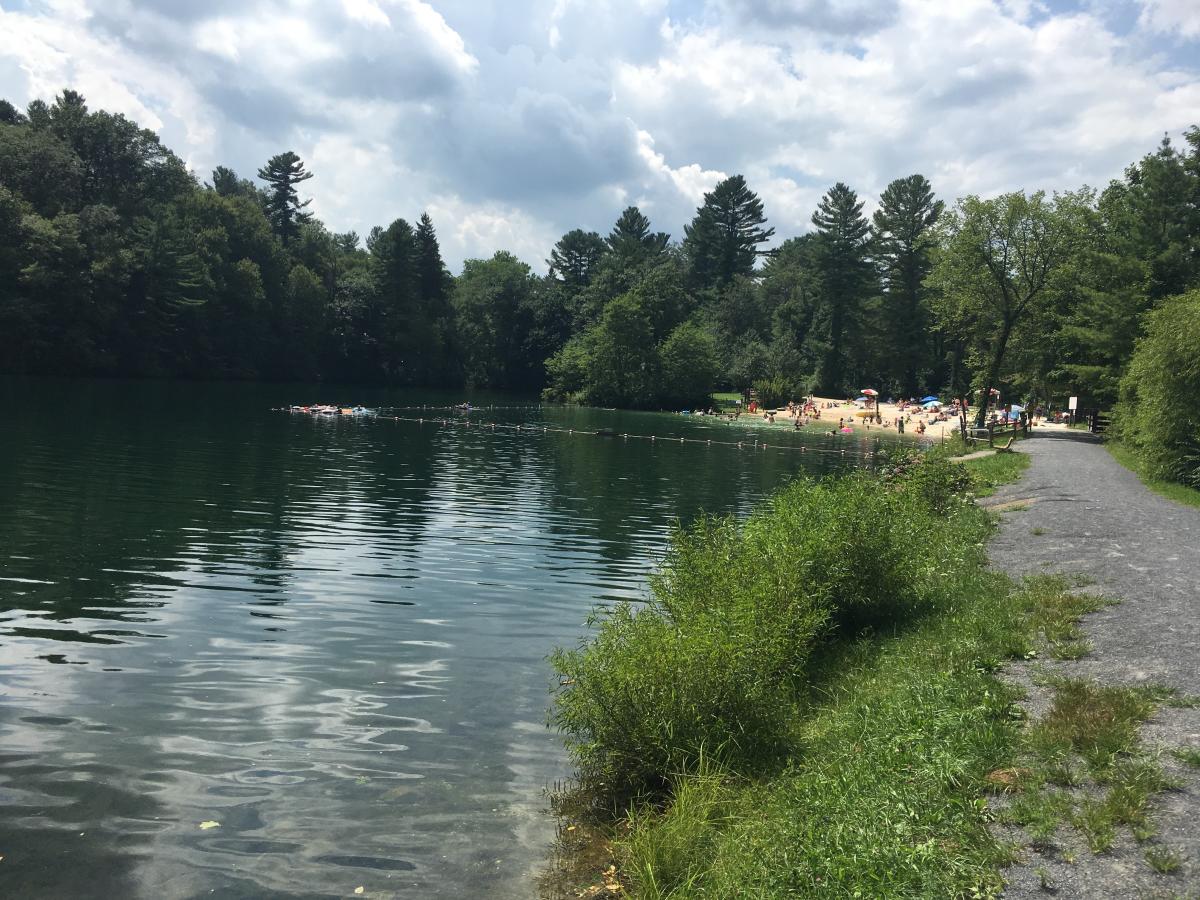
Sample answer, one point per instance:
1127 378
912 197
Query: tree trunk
993 374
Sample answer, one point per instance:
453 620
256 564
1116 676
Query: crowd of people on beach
913 415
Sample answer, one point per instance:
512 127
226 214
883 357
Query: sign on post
1073 404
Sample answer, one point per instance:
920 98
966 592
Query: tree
723 240
847 280
574 258
1158 415
284 210
631 239
904 243
491 300
689 366
996 270
41 168
624 365
433 278
434 288
792 299
10 115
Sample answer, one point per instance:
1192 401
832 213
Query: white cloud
1179 16
691 181
366 11
473 231
513 124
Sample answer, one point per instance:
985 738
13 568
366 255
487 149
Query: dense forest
115 259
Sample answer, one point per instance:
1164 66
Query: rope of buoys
549 429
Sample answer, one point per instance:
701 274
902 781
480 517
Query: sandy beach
853 416
832 409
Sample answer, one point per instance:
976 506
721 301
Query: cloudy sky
514 122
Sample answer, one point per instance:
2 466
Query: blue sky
513 123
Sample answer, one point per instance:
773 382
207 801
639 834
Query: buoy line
747 444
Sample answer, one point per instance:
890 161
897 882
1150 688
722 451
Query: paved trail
1091 516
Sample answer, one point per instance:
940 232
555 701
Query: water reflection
326 636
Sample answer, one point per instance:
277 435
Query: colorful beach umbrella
927 399
870 392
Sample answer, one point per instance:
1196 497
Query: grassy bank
764 723
809 706
1180 493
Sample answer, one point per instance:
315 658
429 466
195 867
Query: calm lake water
328 636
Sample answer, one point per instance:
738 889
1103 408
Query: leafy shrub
715 662
942 484
775 392
1157 416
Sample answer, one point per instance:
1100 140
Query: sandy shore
840 409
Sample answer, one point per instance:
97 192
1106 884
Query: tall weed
717 660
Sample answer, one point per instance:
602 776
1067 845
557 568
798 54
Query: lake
325 635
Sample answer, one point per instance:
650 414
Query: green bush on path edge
808 705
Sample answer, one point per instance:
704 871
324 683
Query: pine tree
846 283
574 258
434 287
723 240
904 240
433 278
631 239
284 210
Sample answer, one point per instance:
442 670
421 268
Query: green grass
1163 860
992 471
753 733
1180 493
1188 755
882 788
1086 767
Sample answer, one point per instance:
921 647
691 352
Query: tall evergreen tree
631 239
847 281
434 289
574 259
402 329
433 278
284 210
723 240
904 241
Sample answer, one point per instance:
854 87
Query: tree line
114 259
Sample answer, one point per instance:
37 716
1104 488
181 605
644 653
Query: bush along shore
808 704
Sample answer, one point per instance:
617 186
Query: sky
514 122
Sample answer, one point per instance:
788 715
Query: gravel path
1087 515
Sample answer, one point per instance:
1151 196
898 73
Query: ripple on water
327 637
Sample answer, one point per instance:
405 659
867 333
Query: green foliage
775 392
718 658
116 260
1000 263
904 242
941 484
841 252
574 258
632 242
1157 417
495 305
723 239
283 207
